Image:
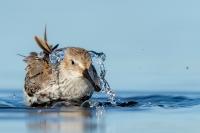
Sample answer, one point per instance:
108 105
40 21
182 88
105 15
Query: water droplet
56 56
98 62
13 96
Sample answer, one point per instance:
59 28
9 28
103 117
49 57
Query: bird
59 74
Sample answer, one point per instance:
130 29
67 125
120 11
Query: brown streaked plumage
59 74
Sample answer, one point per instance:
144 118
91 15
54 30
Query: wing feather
43 45
38 73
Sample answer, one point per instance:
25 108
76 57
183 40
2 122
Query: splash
56 56
98 60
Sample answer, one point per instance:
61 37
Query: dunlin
59 74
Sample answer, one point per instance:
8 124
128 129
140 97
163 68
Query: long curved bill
87 76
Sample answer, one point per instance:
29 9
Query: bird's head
77 63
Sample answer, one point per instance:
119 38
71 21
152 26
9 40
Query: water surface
154 112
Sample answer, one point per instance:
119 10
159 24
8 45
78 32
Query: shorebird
59 74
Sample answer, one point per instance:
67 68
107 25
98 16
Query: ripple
138 101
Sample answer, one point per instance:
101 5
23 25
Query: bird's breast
75 88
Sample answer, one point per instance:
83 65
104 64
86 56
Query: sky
150 44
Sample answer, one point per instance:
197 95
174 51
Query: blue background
150 44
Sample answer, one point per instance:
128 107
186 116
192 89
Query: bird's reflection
72 120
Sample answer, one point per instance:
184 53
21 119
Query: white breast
67 89
76 88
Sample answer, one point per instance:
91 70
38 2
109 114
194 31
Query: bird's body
65 74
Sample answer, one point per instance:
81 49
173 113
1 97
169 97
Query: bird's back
39 72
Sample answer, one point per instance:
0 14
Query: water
154 112
98 60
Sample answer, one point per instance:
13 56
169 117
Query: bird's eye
72 62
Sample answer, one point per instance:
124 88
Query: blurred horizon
150 45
